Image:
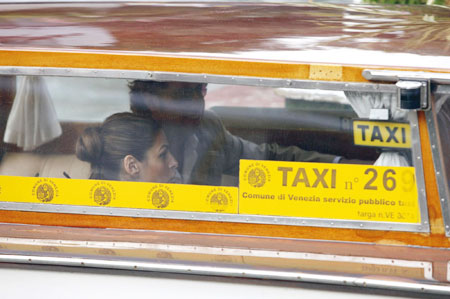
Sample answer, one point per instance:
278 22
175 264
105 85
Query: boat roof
405 37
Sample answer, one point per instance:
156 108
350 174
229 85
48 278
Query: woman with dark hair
128 147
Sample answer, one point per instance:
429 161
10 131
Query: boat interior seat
44 165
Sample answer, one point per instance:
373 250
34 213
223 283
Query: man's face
179 102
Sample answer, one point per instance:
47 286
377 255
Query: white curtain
363 102
32 121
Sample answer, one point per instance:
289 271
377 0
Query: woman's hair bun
89 146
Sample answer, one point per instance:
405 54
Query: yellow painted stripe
271 188
116 194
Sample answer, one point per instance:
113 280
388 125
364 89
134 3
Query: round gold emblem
219 199
45 192
160 198
256 177
102 195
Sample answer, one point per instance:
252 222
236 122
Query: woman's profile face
158 164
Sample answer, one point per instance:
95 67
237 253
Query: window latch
413 95
413 88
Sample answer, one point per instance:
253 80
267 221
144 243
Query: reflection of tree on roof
231 28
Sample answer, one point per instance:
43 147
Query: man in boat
198 139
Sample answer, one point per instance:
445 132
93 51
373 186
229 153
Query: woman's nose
173 163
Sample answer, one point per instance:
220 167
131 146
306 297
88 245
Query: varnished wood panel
179 64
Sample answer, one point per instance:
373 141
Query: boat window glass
283 152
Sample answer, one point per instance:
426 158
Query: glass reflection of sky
69 36
347 56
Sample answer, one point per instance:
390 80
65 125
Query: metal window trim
219 251
201 78
220 79
418 166
203 216
226 271
394 76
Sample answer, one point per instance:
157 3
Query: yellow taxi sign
328 191
381 134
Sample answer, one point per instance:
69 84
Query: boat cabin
303 142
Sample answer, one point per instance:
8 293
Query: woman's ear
131 166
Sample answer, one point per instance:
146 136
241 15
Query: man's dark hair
137 90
